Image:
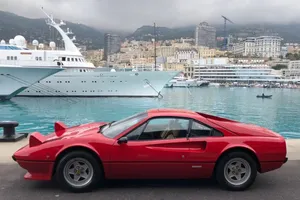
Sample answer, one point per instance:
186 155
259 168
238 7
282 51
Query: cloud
131 14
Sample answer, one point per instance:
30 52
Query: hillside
290 32
12 25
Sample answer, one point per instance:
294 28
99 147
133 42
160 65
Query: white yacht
15 78
181 81
79 77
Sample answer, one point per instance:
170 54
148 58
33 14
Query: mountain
12 25
289 32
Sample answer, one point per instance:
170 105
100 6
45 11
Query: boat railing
43 63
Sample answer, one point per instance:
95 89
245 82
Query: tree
279 67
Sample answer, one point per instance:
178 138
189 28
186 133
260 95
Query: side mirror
123 140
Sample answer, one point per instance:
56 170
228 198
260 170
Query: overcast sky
131 14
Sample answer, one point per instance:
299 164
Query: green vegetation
293 56
279 67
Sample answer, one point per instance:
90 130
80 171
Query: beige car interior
172 130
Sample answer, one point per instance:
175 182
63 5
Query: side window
165 128
199 130
135 134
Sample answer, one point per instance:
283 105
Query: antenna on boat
49 17
69 45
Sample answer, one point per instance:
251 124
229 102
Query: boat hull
14 80
186 84
70 83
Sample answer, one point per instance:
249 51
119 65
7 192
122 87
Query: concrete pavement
282 184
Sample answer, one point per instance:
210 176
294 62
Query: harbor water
281 113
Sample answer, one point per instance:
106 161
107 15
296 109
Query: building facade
263 46
205 35
112 45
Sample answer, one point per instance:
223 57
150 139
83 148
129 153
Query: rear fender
237 146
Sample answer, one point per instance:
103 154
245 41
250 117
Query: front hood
61 131
239 128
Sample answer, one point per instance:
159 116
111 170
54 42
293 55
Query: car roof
170 111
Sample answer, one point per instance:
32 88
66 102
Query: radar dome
20 41
52 45
2 42
41 45
12 42
35 43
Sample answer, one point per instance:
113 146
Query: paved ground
282 184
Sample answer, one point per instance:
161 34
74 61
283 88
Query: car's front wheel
236 171
78 171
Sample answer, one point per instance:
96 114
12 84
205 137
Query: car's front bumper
37 170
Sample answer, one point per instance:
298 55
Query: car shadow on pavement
261 183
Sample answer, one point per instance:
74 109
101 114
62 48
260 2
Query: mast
69 45
154 46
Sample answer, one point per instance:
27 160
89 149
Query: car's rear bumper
270 166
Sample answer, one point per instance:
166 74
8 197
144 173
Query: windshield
115 128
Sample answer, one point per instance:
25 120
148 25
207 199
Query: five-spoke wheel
236 171
78 171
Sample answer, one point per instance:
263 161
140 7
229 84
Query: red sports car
156 144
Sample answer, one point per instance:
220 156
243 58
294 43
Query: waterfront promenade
281 184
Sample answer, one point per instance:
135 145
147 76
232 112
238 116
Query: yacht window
72 59
84 70
11 57
80 70
76 60
8 58
63 58
36 58
68 59
16 58
40 58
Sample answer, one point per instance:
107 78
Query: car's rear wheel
78 171
236 171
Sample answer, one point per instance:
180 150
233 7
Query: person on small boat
263 95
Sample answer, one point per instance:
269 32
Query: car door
151 153
205 145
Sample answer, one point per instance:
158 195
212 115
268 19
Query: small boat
264 96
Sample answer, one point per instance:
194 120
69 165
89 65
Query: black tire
220 175
95 178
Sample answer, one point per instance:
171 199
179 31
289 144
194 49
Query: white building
263 46
184 55
219 70
293 71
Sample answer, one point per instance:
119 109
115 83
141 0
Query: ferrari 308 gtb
156 144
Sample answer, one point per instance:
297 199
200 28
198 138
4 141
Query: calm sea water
280 114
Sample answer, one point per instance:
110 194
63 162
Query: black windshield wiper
110 123
105 125
101 127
